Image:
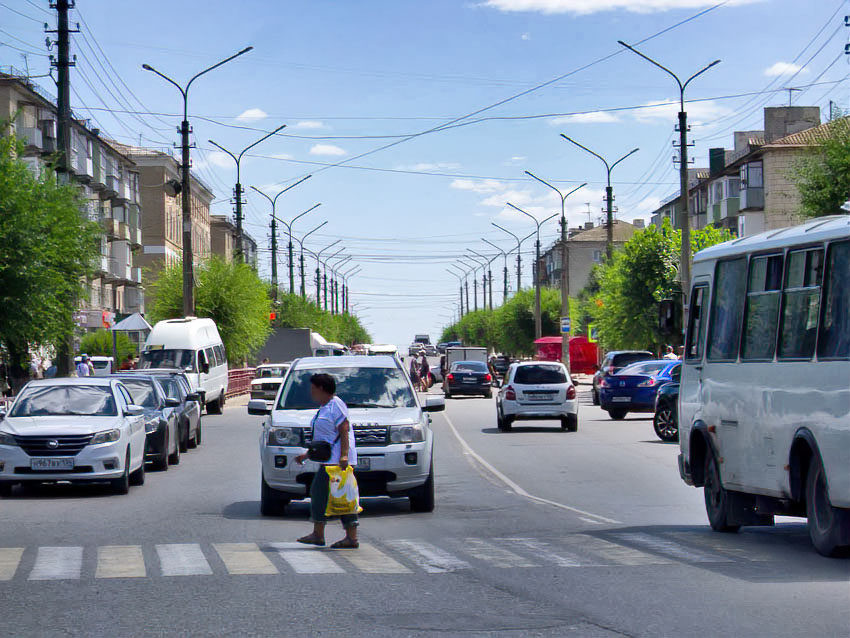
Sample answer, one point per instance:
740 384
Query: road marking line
672 548
497 556
721 544
612 553
308 561
57 563
182 559
10 558
430 558
544 552
370 560
120 561
244 558
514 486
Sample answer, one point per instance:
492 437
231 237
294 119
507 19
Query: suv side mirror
171 402
258 407
134 410
434 404
193 396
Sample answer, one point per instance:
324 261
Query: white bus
764 401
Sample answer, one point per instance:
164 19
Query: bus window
762 312
696 324
727 309
834 339
801 304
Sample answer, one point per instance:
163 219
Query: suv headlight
285 436
7 439
412 433
107 436
152 425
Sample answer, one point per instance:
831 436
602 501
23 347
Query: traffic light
272 316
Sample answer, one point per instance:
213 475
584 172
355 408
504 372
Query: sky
418 119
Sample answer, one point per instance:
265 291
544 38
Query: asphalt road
537 532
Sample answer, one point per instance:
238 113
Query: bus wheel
717 502
829 527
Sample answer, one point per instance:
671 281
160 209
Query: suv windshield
358 387
647 369
469 366
182 359
142 392
539 375
65 400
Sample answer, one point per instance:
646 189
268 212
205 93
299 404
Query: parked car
391 429
162 446
77 429
537 390
468 377
437 373
267 381
666 420
615 361
633 388
177 386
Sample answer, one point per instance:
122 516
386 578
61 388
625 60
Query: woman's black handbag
319 451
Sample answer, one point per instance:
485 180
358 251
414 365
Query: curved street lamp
301 258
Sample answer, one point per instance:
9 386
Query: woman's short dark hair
324 382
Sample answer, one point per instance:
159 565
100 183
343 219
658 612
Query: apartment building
109 184
223 240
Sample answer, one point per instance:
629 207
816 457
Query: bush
99 343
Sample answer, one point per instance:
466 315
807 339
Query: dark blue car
633 388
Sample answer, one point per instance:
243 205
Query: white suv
537 390
391 429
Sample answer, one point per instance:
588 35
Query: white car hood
58 425
380 416
277 380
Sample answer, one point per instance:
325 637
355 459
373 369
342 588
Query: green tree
232 294
823 177
99 343
47 248
295 312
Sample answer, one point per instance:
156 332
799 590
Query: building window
597 256
732 187
752 175
715 192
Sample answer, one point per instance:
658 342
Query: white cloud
525 36
252 115
327 149
783 68
310 124
667 110
585 118
585 7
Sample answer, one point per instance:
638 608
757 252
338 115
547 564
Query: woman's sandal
346 543
310 539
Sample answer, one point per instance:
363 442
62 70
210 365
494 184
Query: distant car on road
430 350
441 347
537 390
666 420
633 388
78 429
501 363
267 380
614 361
468 377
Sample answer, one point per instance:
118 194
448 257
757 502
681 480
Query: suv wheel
422 498
214 407
272 502
503 422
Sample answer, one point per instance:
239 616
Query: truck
465 353
425 340
288 344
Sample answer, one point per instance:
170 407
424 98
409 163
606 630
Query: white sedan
78 429
537 390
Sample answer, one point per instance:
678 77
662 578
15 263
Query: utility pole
505 272
274 258
489 273
684 222
460 286
319 273
301 258
565 268
188 267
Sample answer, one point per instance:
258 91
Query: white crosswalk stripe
182 559
494 554
370 560
57 563
721 543
671 548
120 561
244 558
428 557
10 557
305 560
544 552
605 553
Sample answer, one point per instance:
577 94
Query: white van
194 346
764 400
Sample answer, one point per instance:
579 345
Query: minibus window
834 339
762 315
801 304
211 357
727 309
696 324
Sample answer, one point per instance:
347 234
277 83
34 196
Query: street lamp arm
494 246
291 186
304 238
221 148
507 231
215 66
262 139
148 67
319 254
552 216
533 218
631 152
698 73
581 146
544 182
312 208
649 59
574 190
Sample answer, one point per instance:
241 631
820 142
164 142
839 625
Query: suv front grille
365 434
66 445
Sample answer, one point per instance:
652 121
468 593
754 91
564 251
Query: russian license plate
363 464
51 464
538 397
469 380
621 399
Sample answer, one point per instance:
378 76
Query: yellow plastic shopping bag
343 497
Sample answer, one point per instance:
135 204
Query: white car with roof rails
78 429
537 391
267 380
392 431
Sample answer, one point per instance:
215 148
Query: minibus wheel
829 527
717 502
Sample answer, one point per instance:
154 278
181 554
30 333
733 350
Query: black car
666 421
468 377
162 444
615 361
501 363
177 386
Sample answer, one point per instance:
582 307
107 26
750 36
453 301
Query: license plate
363 464
469 380
538 397
52 464
621 399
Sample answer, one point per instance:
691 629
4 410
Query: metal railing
239 381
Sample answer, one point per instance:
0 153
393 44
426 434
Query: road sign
592 333
565 325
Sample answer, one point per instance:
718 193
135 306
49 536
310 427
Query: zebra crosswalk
395 557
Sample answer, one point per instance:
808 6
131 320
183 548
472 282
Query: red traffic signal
272 316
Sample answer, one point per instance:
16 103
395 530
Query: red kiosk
583 353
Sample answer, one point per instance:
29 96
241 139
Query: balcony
752 199
111 185
117 270
32 137
136 275
729 207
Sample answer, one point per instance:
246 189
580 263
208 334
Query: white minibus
764 401
194 346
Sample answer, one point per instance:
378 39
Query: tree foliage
232 294
295 312
823 177
47 248
99 343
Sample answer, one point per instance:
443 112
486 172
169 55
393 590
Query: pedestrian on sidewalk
330 425
83 366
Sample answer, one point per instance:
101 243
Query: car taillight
510 394
450 377
571 392
487 377
603 383
646 384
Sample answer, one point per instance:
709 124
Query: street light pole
460 287
301 259
483 263
565 266
238 189
291 259
684 221
505 271
335 283
518 255
319 273
609 193
473 267
488 261
538 319
325 275
185 189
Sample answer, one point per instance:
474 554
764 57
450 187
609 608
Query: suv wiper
366 405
